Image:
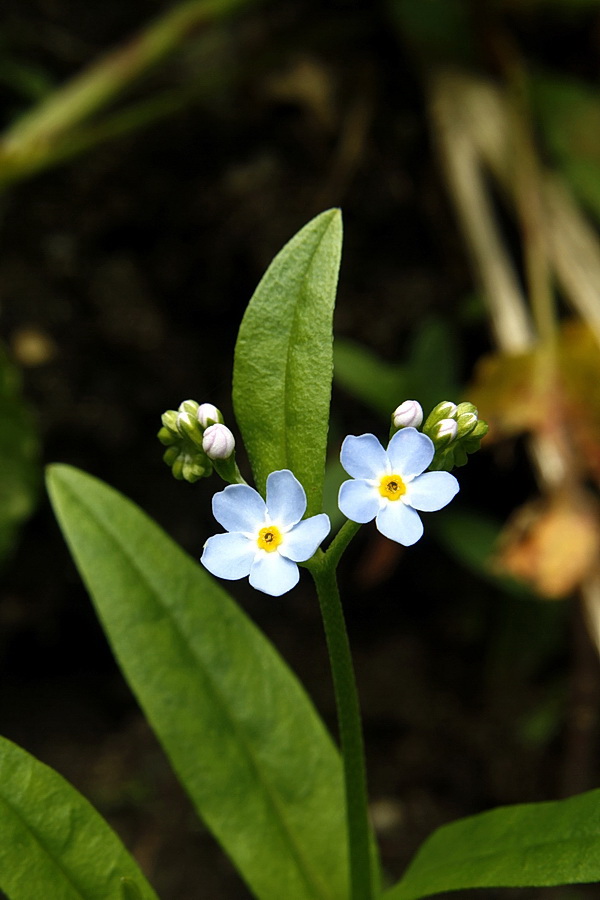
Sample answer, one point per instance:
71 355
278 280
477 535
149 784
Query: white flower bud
447 408
409 413
208 413
446 428
218 442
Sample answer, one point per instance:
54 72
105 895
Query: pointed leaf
241 733
529 845
53 843
283 359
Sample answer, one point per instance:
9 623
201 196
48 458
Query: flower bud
218 442
466 424
208 414
409 413
445 432
190 407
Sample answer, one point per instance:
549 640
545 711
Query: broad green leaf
53 843
284 359
242 735
20 471
529 845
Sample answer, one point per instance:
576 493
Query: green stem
323 569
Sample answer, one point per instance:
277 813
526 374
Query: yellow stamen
269 538
392 487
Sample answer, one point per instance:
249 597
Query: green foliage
569 114
428 374
52 842
19 463
237 726
284 359
534 844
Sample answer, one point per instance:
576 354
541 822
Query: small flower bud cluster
455 430
197 441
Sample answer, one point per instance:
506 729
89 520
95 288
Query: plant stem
360 844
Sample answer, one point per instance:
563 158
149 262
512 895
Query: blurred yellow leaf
551 544
517 394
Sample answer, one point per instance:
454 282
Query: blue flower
264 540
388 485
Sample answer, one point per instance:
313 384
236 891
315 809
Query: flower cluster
197 442
265 540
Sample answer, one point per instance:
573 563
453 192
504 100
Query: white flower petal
239 508
399 523
286 500
363 456
359 500
302 541
431 491
410 452
229 555
273 574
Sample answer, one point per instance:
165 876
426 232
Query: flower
264 540
409 413
388 485
218 442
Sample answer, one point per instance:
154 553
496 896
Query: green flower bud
182 435
456 431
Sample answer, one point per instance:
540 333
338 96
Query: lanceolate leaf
241 733
530 845
283 358
52 842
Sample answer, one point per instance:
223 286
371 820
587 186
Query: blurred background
154 157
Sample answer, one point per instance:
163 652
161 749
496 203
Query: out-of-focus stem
36 140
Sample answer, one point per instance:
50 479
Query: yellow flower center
269 538
392 487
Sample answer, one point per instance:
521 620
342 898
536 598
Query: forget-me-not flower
389 485
264 540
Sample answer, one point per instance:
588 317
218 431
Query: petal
229 555
363 456
400 523
239 508
431 491
359 500
410 452
272 574
301 542
286 500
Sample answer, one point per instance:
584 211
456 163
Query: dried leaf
551 544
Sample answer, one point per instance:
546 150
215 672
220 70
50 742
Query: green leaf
530 845
429 374
53 843
284 359
241 733
378 384
20 471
